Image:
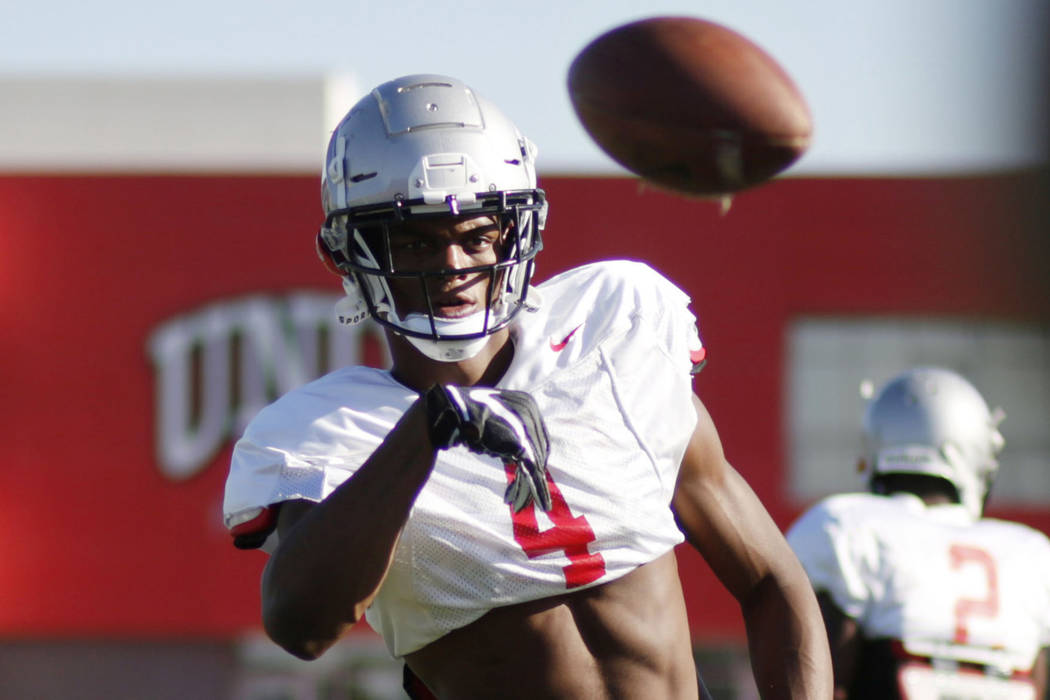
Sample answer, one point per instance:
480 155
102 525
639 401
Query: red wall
96 541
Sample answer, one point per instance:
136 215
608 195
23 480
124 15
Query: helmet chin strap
447 350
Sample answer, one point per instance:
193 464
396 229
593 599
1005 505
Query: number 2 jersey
608 356
945 585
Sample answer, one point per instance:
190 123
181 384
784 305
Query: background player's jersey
607 357
944 584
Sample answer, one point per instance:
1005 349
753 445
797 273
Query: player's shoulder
609 293
1027 536
856 505
354 387
856 511
612 278
623 307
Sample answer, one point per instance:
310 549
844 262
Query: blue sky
906 86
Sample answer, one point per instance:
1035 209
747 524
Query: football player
922 596
503 504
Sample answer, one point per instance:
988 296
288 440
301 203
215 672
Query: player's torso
628 638
965 583
618 414
886 670
954 603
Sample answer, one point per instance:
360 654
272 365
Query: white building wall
167 124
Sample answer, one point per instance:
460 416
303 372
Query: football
689 105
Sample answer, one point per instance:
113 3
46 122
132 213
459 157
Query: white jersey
933 577
607 357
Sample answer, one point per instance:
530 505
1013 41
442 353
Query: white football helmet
421 146
931 421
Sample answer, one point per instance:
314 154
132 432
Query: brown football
689 105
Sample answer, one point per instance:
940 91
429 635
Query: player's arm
333 556
845 640
1041 674
724 520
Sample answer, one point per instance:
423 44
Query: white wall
162 124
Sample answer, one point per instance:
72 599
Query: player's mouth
456 307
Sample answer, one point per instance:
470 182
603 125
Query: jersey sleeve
287 452
668 309
689 329
685 339
833 555
651 360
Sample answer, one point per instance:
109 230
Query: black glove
501 423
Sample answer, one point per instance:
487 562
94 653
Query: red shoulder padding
698 358
252 533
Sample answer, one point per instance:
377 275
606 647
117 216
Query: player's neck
417 371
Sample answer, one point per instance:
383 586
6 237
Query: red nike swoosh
558 347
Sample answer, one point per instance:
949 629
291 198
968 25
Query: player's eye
480 243
410 245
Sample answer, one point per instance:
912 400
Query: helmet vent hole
362 176
512 161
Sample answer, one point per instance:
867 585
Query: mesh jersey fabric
944 583
607 358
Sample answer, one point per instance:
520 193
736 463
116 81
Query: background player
921 596
503 504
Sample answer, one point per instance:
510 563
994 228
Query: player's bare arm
723 518
1041 673
332 556
845 640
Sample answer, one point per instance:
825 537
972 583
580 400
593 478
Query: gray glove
501 423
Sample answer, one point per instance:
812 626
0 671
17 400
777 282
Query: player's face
448 243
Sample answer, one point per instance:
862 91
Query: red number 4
570 533
969 607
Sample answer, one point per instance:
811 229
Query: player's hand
501 423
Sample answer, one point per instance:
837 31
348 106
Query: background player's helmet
418 146
931 421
